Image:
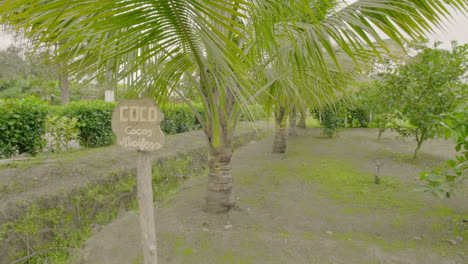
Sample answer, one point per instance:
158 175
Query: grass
312 122
384 243
339 181
387 216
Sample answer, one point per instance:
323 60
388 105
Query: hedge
22 124
94 121
179 118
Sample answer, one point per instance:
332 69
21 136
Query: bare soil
315 204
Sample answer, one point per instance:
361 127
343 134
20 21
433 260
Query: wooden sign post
135 123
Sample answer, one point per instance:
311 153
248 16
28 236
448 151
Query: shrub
22 126
357 117
332 120
178 118
94 121
60 130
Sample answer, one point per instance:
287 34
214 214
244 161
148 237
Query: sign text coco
135 123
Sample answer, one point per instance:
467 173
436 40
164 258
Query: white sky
454 29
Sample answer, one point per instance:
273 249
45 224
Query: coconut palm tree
220 45
287 97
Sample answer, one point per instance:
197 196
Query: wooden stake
145 204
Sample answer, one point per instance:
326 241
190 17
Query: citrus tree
220 46
444 183
426 86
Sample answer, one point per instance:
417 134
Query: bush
94 121
357 117
22 126
332 120
60 131
178 118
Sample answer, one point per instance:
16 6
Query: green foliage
357 117
224 33
332 120
23 75
379 103
60 130
178 118
253 113
22 124
427 87
418 90
94 121
444 183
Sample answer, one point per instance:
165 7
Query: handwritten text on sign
135 122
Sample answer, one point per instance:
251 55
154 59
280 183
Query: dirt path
316 204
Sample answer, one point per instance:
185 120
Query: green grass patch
368 239
235 257
312 122
342 182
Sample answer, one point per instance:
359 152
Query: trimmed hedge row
22 122
179 118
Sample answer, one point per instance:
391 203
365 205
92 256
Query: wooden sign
135 123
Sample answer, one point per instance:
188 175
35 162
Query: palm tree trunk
293 122
219 196
279 144
302 120
219 129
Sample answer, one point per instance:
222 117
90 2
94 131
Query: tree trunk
416 150
293 122
302 120
346 120
219 196
381 131
279 144
64 86
419 140
219 130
